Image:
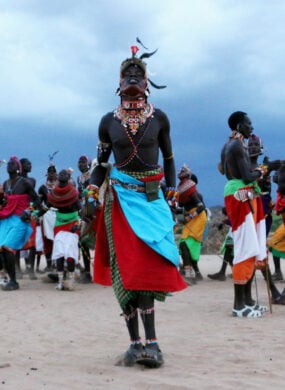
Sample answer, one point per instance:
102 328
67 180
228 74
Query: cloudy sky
59 69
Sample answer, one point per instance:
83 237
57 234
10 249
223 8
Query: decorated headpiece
184 172
254 145
51 167
134 60
14 158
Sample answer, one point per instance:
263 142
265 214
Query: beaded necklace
84 177
11 185
133 114
135 152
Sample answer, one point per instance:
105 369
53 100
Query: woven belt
131 187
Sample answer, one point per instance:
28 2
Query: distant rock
215 232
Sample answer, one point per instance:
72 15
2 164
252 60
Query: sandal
10 286
131 356
246 312
151 356
261 308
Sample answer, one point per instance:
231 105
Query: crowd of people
45 223
141 203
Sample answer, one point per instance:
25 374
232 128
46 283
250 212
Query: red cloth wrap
280 203
63 196
140 267
66 228
15 205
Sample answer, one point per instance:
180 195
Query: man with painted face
137 220
245 212
15 227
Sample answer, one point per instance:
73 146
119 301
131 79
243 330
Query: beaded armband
171 196
169 157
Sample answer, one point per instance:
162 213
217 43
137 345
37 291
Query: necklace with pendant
11 184
132 118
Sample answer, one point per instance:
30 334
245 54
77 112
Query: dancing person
15 227
244 209
194 224
65 253
136 219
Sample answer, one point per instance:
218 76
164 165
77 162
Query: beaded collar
133 114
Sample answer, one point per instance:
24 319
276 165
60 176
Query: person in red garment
136 224
15 228
245 211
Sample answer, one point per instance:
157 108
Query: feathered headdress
134 60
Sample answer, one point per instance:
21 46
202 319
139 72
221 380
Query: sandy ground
57 340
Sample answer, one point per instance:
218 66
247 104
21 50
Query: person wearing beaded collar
137 225
194 224
65 198
245 212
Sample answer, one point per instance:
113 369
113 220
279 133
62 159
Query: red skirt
141 268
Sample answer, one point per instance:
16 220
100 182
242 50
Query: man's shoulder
107 118
159 112
234 144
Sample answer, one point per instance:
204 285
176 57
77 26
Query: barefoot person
244 209
15 227
137 220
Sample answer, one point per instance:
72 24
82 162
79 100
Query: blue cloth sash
152 221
